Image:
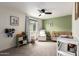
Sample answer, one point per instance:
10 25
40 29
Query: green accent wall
63 23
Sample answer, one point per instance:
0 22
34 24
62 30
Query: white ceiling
31 8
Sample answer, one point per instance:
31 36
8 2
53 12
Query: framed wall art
76 10
14 20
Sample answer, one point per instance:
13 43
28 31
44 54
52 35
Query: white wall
75 24
5 13
73 19
40 24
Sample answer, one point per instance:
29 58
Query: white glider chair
42 35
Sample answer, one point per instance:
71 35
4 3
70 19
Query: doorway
33 29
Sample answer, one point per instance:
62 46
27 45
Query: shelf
20 39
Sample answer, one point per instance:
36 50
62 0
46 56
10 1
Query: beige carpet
37 49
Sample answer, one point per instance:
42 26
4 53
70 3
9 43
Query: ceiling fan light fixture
43 14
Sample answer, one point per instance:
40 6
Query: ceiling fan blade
48 12
39 14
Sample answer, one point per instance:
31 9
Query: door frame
27 29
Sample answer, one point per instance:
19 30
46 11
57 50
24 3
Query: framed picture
76 10
14 20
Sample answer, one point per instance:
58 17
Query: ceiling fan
43 11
